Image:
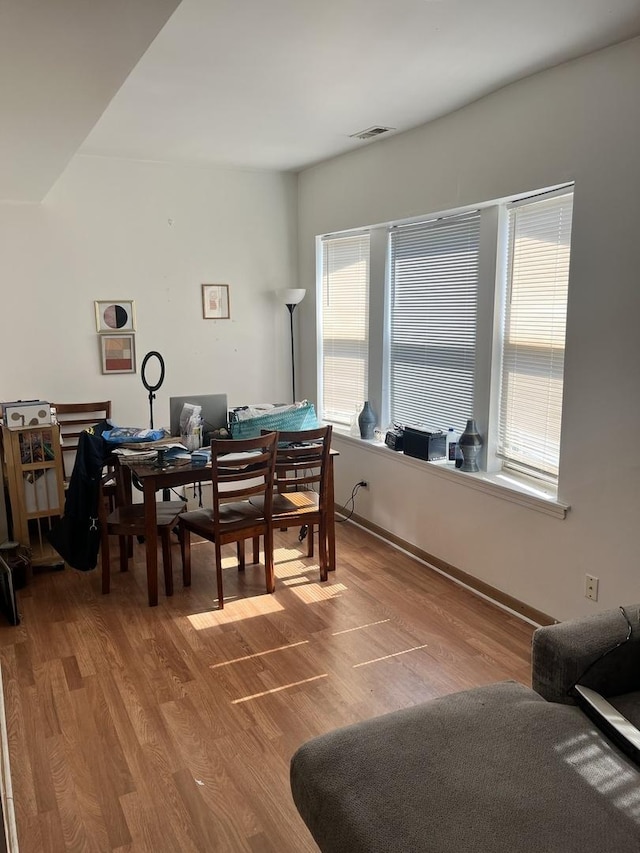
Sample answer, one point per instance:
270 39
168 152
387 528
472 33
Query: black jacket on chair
76 537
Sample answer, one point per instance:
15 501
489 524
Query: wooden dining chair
74 419
242 473
127 521
301 493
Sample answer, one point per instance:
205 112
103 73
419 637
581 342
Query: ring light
152 388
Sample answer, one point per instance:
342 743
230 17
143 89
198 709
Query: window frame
492 270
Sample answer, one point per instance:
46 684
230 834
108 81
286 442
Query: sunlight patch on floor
279 689
297 580
387 657
289 563
360 627
234 611
310 593
295 572
259 654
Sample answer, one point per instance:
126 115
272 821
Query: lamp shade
293 296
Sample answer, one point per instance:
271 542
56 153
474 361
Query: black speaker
423 444
395 438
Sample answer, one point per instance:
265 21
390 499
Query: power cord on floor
351 501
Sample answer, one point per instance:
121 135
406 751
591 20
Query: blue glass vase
367 421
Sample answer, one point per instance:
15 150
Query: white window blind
534 334
433 311
345 326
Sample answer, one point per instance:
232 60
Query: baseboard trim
6 788
497 596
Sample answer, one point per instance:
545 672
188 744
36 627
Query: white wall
150 232
581 122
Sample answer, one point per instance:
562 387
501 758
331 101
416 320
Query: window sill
507 486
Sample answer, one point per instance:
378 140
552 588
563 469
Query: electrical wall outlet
591 587
364 484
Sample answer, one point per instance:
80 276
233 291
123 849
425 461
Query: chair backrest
302 460
242 470
74 419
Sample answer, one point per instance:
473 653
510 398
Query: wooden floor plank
157 730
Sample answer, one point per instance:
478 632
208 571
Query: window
345 326
534 334
453 317
433 297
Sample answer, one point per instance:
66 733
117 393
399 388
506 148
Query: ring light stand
152 388
161 462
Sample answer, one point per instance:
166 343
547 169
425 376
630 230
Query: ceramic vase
470 444
366 421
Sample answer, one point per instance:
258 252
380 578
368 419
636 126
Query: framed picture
118 353
115 315
215 301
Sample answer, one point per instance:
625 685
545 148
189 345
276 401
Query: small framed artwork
118 353
215 301
115 315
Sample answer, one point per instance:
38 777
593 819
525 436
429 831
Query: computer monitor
214 412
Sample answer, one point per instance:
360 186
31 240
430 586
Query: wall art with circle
115 315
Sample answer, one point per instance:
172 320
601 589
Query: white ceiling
274 84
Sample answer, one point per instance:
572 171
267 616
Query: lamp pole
291 298
292 308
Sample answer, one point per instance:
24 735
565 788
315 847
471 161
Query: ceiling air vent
370 132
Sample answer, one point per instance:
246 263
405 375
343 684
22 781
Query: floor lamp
292 298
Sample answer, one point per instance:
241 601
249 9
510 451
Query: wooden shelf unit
35 480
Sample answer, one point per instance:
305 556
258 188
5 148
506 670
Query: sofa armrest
600 651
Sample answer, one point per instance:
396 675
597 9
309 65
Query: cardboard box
24 413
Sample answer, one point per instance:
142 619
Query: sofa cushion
600 651
496 769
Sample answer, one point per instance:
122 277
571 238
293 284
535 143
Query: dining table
153 475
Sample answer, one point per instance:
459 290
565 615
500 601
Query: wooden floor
171 728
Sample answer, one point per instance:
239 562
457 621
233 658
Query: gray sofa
497 769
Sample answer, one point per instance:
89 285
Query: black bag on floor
8 601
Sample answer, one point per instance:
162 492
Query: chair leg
256 549
185 550
241 559
268 560
106 564
322 548
123 542
167 562
219 575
